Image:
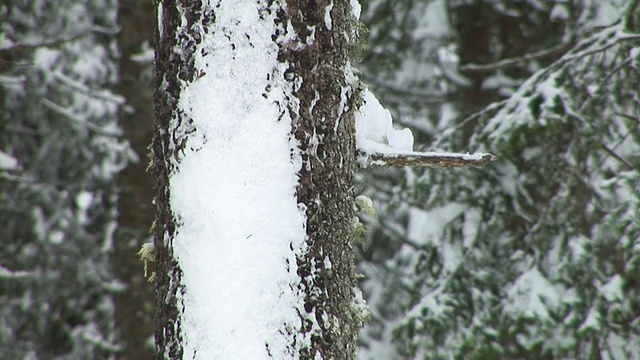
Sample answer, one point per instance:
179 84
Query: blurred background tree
135 309
58 202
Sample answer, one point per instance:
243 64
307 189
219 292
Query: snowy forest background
536 256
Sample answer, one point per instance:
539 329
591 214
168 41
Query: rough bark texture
434 161
326 178
134 308
171 67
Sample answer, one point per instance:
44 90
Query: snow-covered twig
428 159
71 116
54 42
11 274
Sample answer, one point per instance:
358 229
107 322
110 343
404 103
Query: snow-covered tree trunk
254 155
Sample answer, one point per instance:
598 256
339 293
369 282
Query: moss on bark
324 127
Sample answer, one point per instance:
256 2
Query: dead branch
441 161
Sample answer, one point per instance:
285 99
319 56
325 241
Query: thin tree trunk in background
474 23
480 29
135 306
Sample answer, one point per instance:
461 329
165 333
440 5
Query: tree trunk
134 308
312 40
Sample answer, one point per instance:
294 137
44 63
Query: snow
531 295
327 16
472 221
6 43
592 321
146 54
356 9
376 134
508 177
447 117
578 246
426 227
449 62
234 196
613 289
8 162
6 273
435 302
83 202
605 13
45 58
434 23
501 82
375 131
559 12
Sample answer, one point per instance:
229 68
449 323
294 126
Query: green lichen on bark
324 127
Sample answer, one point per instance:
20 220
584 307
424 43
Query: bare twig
396 92
520 59
452 130
627 116
59 41
435 160
623 161
71 116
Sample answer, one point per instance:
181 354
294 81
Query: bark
170 67
441 161
326 178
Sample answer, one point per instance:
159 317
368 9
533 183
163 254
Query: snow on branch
11 274
430 159
379 143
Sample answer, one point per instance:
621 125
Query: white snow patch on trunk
327 17
159 19
233 195
356 9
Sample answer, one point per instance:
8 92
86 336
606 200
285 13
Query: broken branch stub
442 161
